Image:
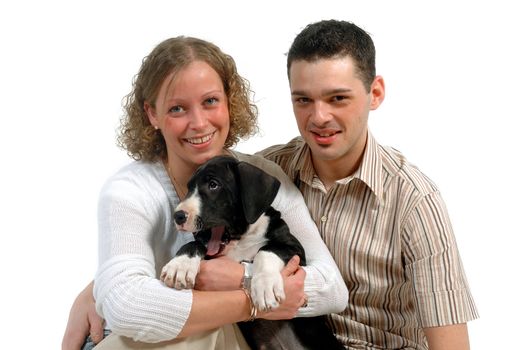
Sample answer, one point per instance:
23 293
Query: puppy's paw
267 290
180 272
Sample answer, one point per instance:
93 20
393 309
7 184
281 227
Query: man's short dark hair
333 39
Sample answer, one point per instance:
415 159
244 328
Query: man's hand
293 278
83 320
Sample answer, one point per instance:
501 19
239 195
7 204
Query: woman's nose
198 119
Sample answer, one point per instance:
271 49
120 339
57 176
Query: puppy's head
225 195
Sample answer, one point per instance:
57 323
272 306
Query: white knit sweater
137 237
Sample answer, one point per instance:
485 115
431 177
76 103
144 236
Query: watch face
247 277
246 283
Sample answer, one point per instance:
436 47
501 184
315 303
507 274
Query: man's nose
320 113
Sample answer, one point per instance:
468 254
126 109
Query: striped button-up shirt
389 232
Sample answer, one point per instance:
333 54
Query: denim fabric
89 345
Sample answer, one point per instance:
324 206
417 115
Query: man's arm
454 337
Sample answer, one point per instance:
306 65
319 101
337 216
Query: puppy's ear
258 189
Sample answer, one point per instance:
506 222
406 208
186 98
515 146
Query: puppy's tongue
214 245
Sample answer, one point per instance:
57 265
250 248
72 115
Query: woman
188 105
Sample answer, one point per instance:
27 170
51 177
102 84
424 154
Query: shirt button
324 218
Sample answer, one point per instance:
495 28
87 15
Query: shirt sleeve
128 294
434 266
324 285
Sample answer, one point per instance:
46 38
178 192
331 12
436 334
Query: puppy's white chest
251 241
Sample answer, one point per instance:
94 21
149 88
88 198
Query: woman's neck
179 174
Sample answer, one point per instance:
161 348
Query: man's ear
258 190
377 92
152 115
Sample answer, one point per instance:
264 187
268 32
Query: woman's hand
83 320
226 274
220 273
293 278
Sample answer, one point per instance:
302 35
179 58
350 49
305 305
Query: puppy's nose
180 217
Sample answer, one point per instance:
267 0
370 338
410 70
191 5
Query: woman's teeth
199 140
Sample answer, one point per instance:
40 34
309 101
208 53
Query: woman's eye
176 109
211 101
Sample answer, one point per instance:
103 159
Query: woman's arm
234 306
133 223
83 321
135 238
324 284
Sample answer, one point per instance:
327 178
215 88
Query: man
383 220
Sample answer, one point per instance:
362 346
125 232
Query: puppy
229 204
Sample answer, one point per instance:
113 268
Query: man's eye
339 98
213 185
302 100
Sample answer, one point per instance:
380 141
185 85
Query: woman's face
191 111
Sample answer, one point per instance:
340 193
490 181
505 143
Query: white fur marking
251 241
192 206
180 272
267 287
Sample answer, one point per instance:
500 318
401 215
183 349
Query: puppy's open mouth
218 241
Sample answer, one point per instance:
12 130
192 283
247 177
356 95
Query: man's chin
325 153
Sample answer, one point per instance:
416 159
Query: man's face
331 107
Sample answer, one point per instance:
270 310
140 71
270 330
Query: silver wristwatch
246 282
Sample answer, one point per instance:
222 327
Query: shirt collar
371 168
369 171
302 162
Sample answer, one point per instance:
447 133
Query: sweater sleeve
324 284
128 294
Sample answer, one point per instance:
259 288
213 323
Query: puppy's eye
213 185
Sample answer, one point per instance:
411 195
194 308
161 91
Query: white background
454 80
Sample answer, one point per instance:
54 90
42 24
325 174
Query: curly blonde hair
136 134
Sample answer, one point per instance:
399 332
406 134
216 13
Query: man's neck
331 170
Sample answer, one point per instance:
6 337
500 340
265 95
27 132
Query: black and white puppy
229 206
